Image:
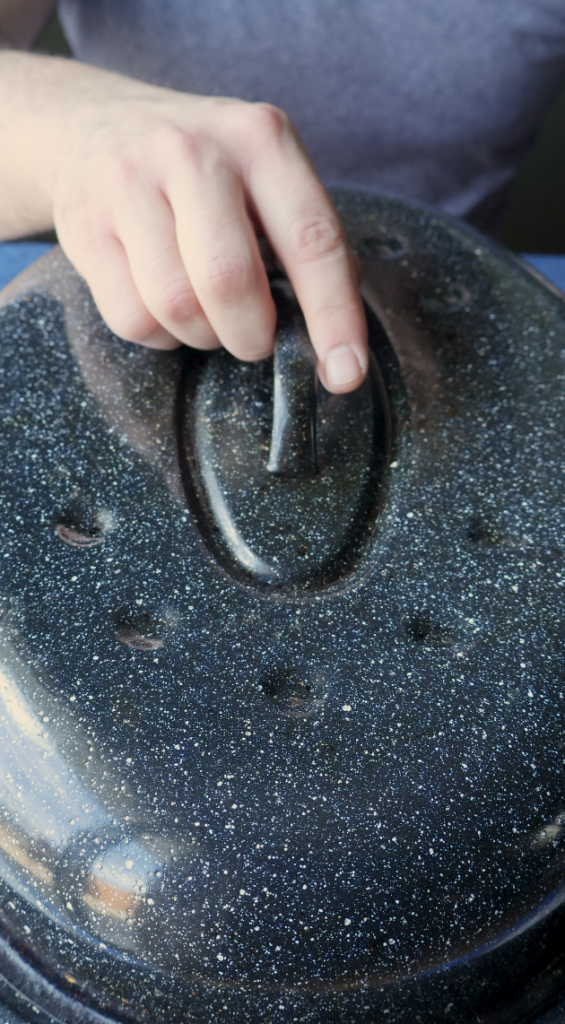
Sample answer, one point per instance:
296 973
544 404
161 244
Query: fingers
183 262
221 254
177 257
307 236
147 230
105 266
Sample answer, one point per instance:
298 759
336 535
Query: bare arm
157 197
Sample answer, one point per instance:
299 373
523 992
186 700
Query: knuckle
267 122
316 236
177 303
178 145
335 311
183 142
228 279
123 173
194 148
134 324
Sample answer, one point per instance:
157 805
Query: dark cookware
282 726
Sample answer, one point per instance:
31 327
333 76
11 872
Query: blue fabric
552 267
434 99
16 256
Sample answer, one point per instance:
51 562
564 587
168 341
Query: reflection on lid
23 853
38 789
109 900
89 864
118 880
51 821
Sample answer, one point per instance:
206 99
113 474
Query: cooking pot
282 720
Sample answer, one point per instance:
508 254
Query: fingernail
342 365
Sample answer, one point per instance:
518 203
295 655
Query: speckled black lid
281 673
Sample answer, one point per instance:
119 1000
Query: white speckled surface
223 799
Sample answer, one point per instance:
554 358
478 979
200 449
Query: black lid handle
293 434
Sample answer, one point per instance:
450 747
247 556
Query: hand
158 200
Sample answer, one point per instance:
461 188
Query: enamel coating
228 797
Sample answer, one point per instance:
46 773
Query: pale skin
159 198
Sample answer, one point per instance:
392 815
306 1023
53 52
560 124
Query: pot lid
281 672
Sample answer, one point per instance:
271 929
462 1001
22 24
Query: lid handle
293 433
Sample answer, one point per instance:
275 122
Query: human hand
158 201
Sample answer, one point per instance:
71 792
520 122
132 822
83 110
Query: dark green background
534 218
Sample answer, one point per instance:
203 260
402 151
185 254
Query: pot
281 672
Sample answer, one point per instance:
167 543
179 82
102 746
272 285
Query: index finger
306 234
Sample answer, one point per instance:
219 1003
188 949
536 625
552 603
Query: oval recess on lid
296 533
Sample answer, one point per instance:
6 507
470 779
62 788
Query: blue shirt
436 99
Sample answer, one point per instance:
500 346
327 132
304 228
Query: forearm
40 99
33 108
